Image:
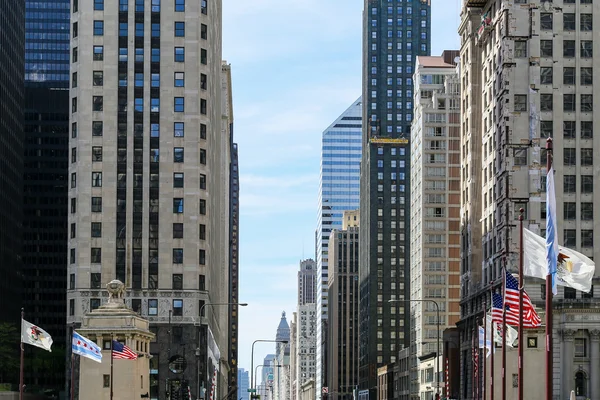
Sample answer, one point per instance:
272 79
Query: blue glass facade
47 42
338 191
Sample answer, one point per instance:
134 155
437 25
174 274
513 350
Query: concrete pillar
568 379
594 364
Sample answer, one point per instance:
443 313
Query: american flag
530 317
121 351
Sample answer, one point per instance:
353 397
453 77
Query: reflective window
179 54
98 28
180 5
179 104
179 29
98 53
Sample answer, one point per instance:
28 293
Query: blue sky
296 66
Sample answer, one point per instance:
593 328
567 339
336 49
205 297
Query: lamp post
437 356
252 356
198 349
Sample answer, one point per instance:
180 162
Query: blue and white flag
551 234
86 348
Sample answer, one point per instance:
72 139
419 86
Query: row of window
98 130
547 102
96 256
178 79
176 283
585 76
569 129
399 9
569 156
178 105
177 206
570 211
179 5
569 24
177 310
178 179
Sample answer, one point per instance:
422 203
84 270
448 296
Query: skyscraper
243 384
46 128
435 209
338 191
307 282
343 311
528 74
150 172
12 70
393 35
281 378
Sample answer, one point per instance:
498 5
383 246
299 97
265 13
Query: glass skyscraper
394 34
338 191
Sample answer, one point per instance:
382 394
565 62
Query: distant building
243 380
307 282
343 311
281 372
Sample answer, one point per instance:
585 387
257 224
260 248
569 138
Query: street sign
251 390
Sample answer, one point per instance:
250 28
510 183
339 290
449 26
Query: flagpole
22 357
111 366
549 295
484 369
493 345
520 392
72 375
504 338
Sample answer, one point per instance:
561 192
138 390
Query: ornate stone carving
595 334
568 334
116 291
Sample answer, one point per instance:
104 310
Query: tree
9 352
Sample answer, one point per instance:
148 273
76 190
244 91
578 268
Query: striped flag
122 352
511 299
86 348
213 385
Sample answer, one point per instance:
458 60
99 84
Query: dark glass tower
46 130
394 34
12 62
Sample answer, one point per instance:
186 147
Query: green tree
9 352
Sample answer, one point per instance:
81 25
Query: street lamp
198 349
437 356
252 356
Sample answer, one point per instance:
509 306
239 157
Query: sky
296 66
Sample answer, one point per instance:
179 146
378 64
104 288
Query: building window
202 230
179 29
202 207
74 80
202 257
568 76
569 184
569 211
73 205
178 180
73 231
203 56
546 75
520 49
97 128
203 156
520 102
178 154
587 157
546 102
155 55
96 280
568 21
152 306
154 105
74 105
203 81
155 6
177 281
72 307
96 204
587 102
75 30
94 304
201 282
96 255
570 238
96 179
568 102
96 229
587 211
569 157
96 153
136 305
71 281
520 156
586 76
98 28
580 383
203 7
568 130
177 205
203 106
155 80
177 230
123 5
179 79
178 129
180 5
203 181
546 21
546 129
177 256
179 54
586 129
580 344
585 22
155 30
179 105
586 49
587 238
546 48
177 307
72 256
97 103
203 31
73 180
202 131
569 48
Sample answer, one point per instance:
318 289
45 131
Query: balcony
475 3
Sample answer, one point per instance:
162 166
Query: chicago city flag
35 336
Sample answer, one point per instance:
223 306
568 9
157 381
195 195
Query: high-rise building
305 343
45 180
394 34
234 212
338 191
343 311
149 184
527 74
12 71
281 372
435 205
307 282
243 380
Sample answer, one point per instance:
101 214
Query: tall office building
46 129
394 34
307 282
243 380
435 207
527 73
338 191
343 311
149 185
12 70
281 373
234 222
305 330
